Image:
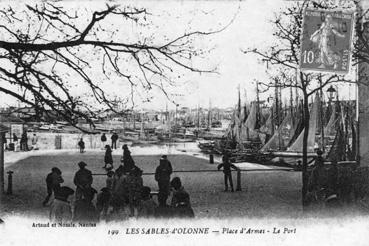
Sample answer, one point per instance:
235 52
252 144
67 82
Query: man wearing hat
162 176
53 181
82 179
114 139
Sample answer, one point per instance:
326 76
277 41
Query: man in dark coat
53 181
82 179
162 176
103 139
108 158
24 141
81 145
114 139
227 165
128 162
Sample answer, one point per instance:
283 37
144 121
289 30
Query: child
147 207
61 210
103 202
53 181
110 180
181 200
84 210
134 185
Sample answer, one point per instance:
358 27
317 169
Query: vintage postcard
184 122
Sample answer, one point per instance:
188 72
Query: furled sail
266 131
330 128
248 130
297 145
281 137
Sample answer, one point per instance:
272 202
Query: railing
238 180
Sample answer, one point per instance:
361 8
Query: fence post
10 183
211 159
238 188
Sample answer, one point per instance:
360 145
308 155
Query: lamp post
331 91
175 116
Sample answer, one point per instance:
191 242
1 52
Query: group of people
333 186
114 138
23 142
123 195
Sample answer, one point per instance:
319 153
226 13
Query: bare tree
47 51
284 57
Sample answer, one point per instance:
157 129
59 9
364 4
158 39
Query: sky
248 26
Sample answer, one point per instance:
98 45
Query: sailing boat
278 146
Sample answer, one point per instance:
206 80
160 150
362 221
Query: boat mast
277 109
209 115
258 104
239 111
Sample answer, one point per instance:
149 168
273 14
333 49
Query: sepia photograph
178 122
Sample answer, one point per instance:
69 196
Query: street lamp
331 92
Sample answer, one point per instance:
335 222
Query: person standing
53 181
84 209
128 162
119 191
103 139
148 206
103 202
15 138
81 145
162 176
34 141
134 187
114 139
227 165
24 141
318 179
110 180
181 200
61 210
82 179
108 158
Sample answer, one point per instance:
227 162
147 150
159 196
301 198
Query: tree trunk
305 176
2 174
